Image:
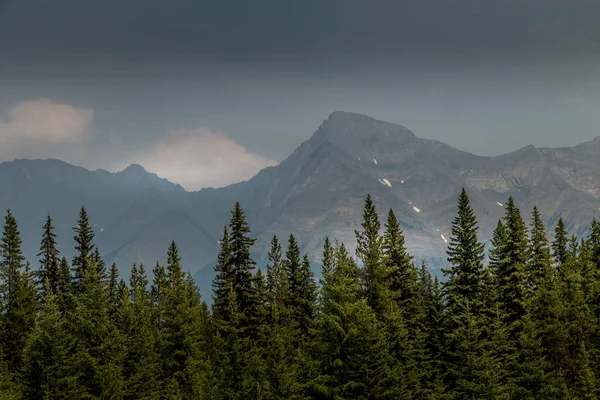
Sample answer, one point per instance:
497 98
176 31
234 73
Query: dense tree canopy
522 325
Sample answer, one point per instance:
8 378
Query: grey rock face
318 191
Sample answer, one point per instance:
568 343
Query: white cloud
201 158
44 128
47 121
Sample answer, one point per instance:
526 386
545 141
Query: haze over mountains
317 191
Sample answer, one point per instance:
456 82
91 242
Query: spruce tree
277 284
463 292
48 356
368 250
350 349
99 346
224 279
540 262
560 243
402 275
465 255
301 288
511 274
50 261
84 236
183 344
17 297
241 262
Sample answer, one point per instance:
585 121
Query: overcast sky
230 86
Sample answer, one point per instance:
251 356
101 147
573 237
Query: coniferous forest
519 323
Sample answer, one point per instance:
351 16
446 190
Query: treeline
524 326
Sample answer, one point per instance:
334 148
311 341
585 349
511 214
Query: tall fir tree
99 346
368 250
464 323
401 273
48 355
301 288
17 297
511 274
50 260
560 244
465 255
84 247
540 261
350 348
242 264
223 280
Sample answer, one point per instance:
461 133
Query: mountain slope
317 191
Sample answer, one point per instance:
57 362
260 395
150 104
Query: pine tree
368 249
99 346
465 255
224 279
242 265
402 275
350 350
560 244
100 265
301 288
9 389
113 290
84 236
463 292
141 362
497 253
510 276
48 356
277 284
185 329
540 262
50 261
17 297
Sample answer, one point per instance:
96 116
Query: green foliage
84 237
521 327
17 296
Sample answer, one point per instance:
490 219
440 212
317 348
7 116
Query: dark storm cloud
271 31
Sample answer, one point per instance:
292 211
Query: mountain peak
345 127
134 169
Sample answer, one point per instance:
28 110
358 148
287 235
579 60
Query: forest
519 320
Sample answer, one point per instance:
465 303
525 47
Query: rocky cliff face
318 191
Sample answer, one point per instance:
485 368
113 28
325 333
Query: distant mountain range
317 191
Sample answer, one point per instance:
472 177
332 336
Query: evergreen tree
114 297
277 284
463 292
100 265
84 236
402 275
242 265
368 250
510 276
560 244
350 349
301 288
497 253
465 255
99 350
539 263
224 279
50 262
185 330
48 355
9 389
17 297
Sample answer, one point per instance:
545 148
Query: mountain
317 191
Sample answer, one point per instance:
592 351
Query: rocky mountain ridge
317 191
